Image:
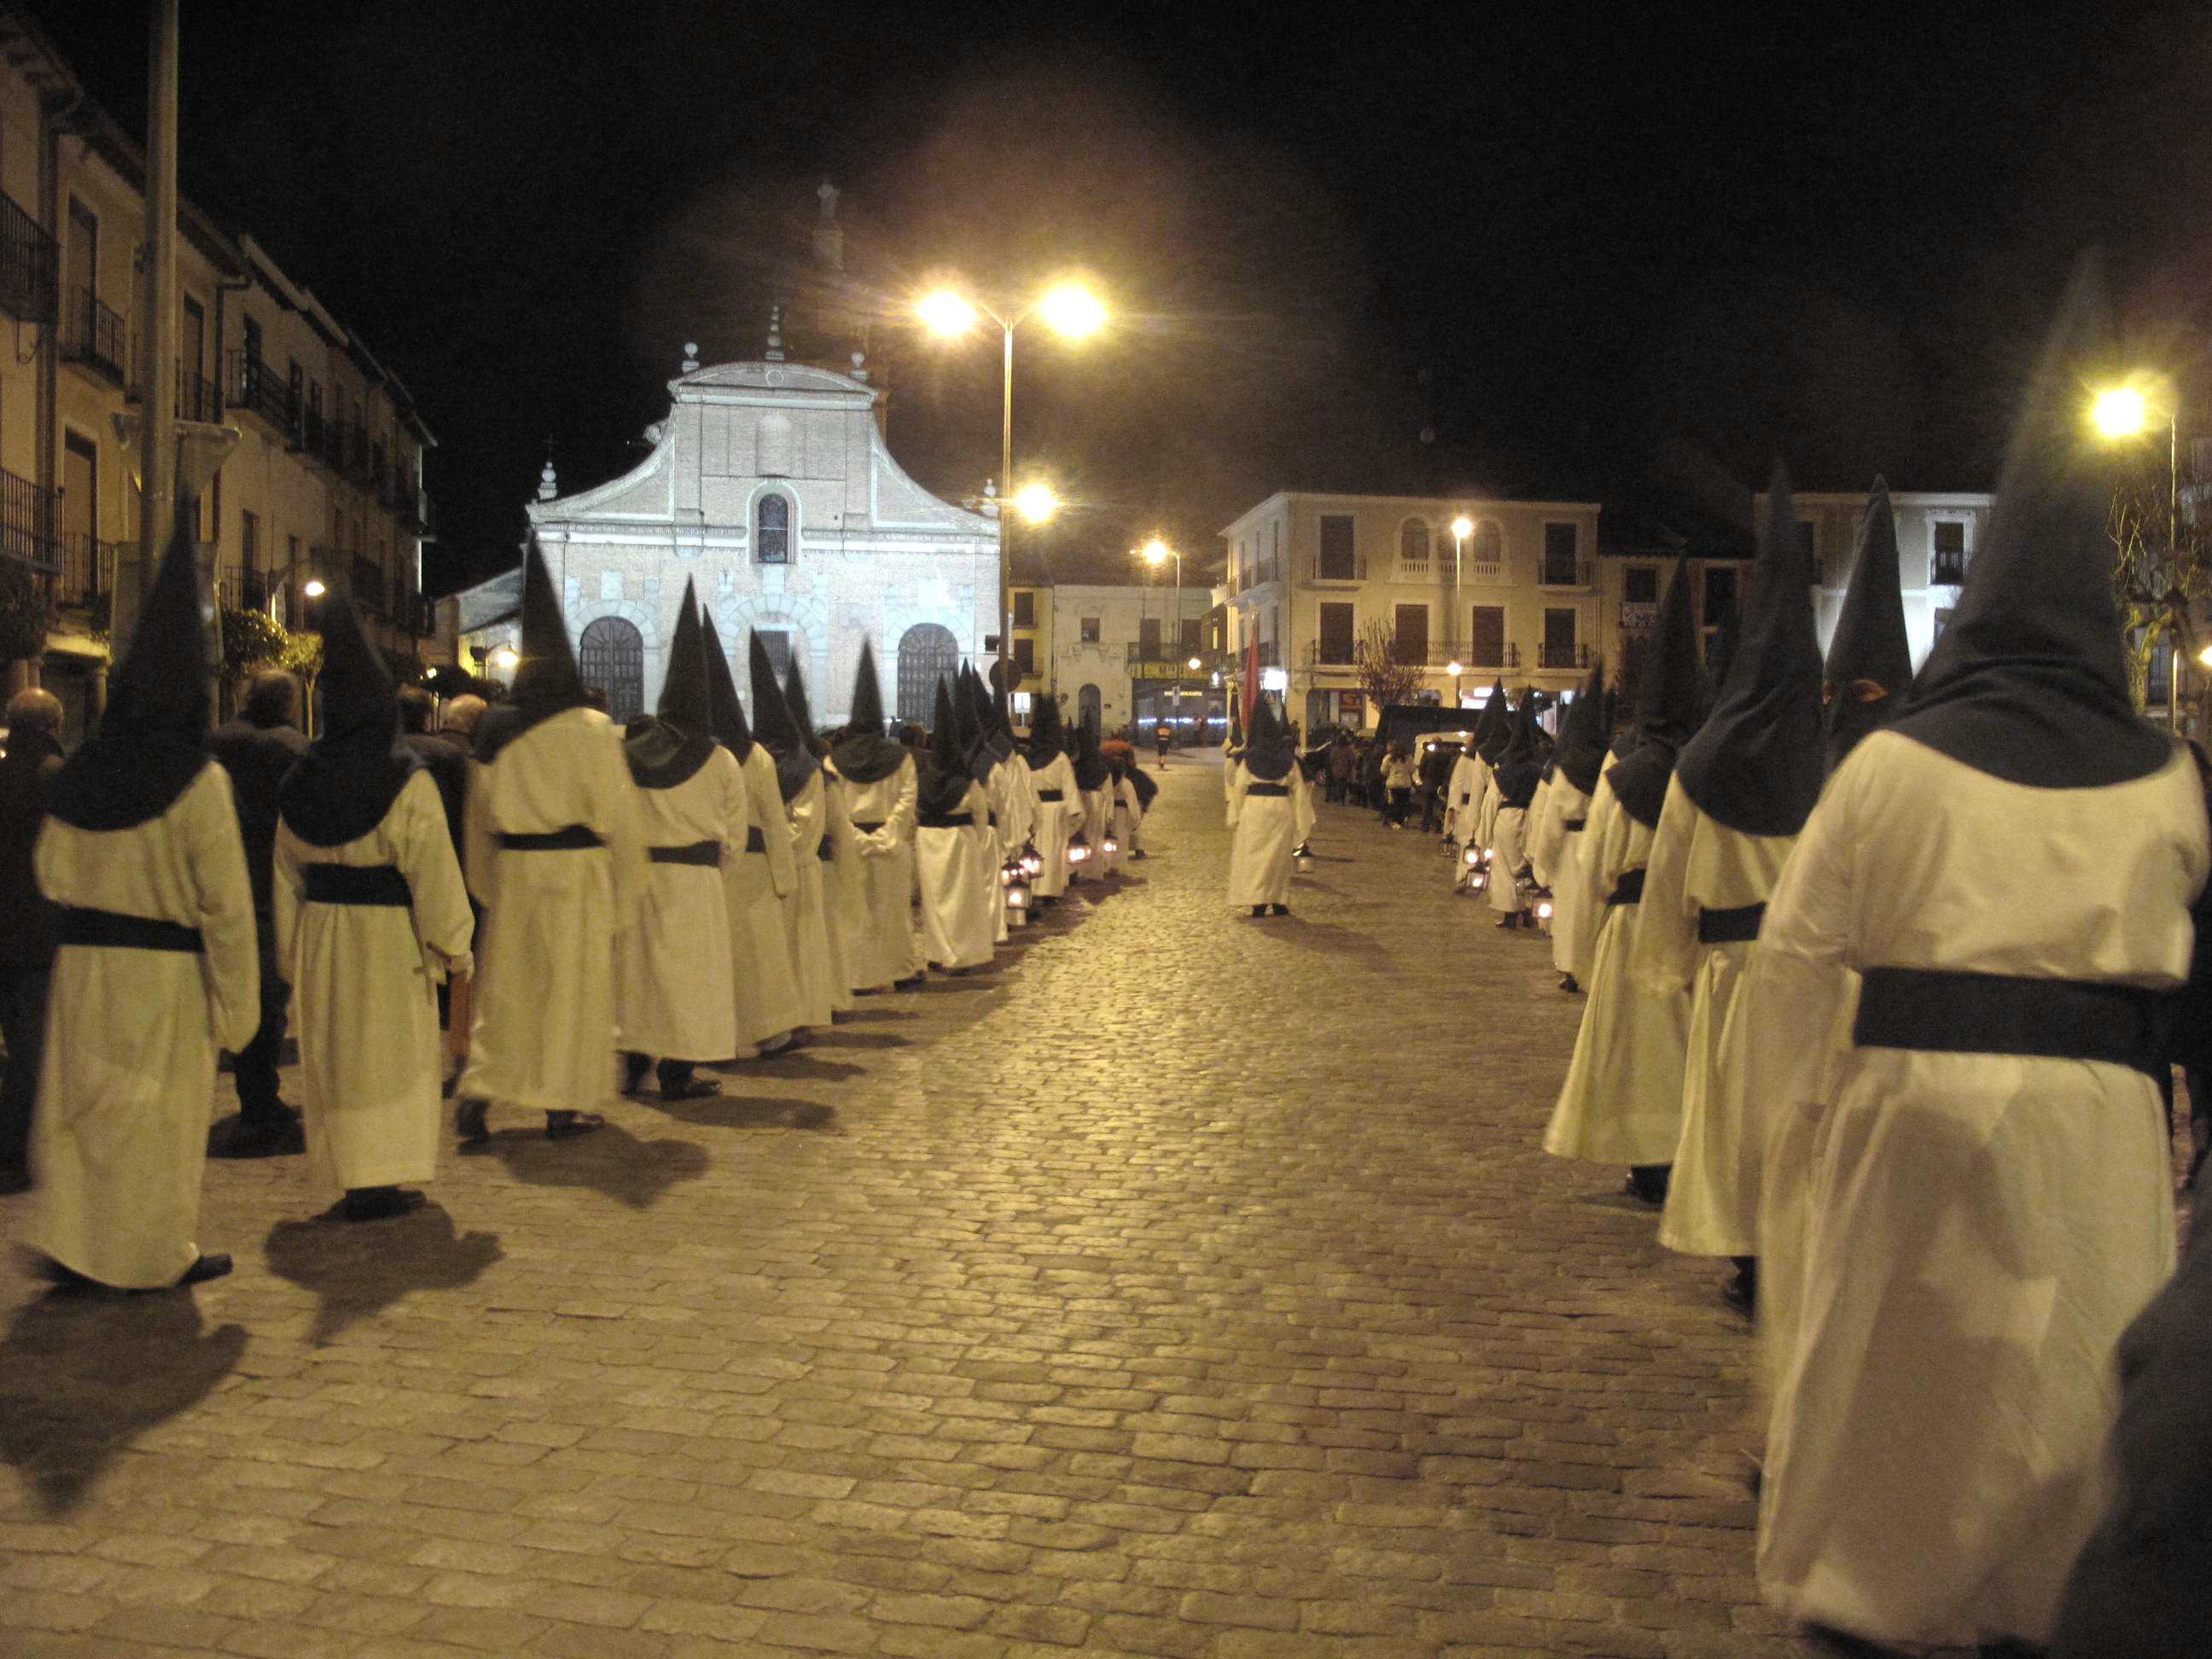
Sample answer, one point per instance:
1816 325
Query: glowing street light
505 658
1035 502
946 315
1072 311
1452 669
314 587
2119 411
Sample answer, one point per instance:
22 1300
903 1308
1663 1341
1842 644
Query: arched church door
612 655
927 652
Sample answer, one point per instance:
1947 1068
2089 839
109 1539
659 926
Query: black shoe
1512 921
1741 1293
1140 853
379 1203
695 1088
1281 909
275 1135
634 1068
15 1178
207 1267
468 1122
567 1126
1571 985
1647 1183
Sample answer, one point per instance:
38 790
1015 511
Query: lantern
1302 855
1078 849
1031 863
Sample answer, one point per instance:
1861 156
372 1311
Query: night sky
1600 253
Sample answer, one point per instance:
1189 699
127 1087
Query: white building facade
1937 534
1121 654
769 487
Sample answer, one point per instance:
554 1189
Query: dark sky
1590 250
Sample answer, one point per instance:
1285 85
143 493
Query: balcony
1563 656
1482 658
88 570
1566 572
413 507
1353 569
30 265
97 335
243 588
368 587
1164 662
29 520
252 385
199 399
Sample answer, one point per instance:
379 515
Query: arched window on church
1088 707
611 656
926 654
772 530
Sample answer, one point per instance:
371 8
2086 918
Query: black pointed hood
546 682
1269 755
2028 683
971 712
997 744
1756 765
1580 756
1235 738
794 699
343 786
944 779
1720 653
732 729
671 749
1518 769
1044 730
152 739
864 754
1091 769
775 725
1493 726
1870 647
1002 720
1667 703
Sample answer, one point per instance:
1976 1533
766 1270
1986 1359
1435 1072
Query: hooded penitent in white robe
1555 855
544 1033
1059 816
1013 816
119 1137
1470 777
1092 811
1979 1228
364 982
1508 835
806 912
840 861
1700 865
1266 828
754 885
1622 1099
957 876
879 941
674 993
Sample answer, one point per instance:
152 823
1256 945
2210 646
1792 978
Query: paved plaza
1189 1286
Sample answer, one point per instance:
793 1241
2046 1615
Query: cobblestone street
1190 1285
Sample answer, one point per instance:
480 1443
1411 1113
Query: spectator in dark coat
257 747
27 919
445 761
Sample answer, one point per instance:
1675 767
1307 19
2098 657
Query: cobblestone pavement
1190 1285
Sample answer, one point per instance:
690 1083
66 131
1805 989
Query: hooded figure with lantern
783 723
372 915
883 788
1270 814
1058 808
1555 836
954 870
1514 781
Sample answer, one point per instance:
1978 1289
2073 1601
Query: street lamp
1452 668
313 588
2124 411
1068 309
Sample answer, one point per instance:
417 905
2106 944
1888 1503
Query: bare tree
1387 674
2158 569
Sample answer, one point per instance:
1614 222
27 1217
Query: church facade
770 486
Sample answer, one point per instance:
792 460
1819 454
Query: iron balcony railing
1353 569
1556 572
1440 655
95 335
1563 656
30 265
29 521
197 397
87 569
255 387
245 588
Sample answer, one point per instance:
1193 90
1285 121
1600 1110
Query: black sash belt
1572 825
946 821
826 850
1629 890
867 828
569 838
1951 1012
358 884
707 853
1266 788
1731 926
112 930
755 842
1050 794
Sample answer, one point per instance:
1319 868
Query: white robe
1555 853
806 922
957 877
673 989
1508 833
1622 1099
754 886
1470 777
1698 865
1014 814
879 940
364 980
1056 820
544 1030
1266 828
839 859
120 1136
1980 1227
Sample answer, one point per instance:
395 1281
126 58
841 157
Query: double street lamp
1071 311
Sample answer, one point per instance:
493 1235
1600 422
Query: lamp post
1069 309
2123 411
1452 669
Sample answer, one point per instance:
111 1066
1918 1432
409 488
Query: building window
1087 630
1190 629
1946 567
772 530
1025 656
1025 608
1414 547
1486 637
1640 584
1338 631
927 654
1089 708
1808 544
1559 650
611 656
1411 634
249 540
1485 555
1560 556
1148 639
776 642
1340 560
1720 595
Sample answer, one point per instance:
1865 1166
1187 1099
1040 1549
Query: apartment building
325 481
1124 655
1937 534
